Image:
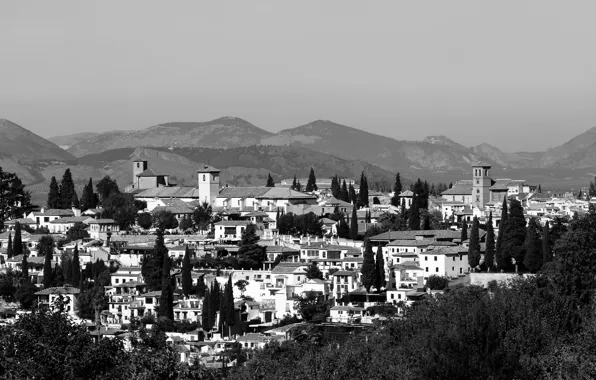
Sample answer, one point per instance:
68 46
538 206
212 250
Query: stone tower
481 183
208 183
138 166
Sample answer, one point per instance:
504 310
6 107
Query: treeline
537 327
15 201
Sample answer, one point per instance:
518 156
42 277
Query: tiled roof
332 201
347 308
169 192
285 193
130 284
232 223
102 221
242 192
463 187
411 235
412 242
203 168
447 251
252 337
500 184
407 193
173 209
54 212
408 265
287 268
324 245
69 220
482 164
281 249
58 290
148 173
255 214
20 220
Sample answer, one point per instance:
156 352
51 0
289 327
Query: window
452 268
453 258
399 296
427 269
392 296
477 182
477 191
437 269
117 281
425 258
435 258
460 270
486 172
298 278
203 177
138 165
477 198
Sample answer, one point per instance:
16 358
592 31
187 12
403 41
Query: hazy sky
517 74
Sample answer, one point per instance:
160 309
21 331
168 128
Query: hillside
436 153
225 132
67 141
576 152
25 145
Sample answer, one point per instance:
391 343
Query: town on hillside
247 266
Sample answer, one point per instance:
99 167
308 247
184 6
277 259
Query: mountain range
247 153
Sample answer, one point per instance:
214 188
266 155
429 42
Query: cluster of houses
268 295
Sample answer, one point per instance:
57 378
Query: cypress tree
67 264
369 269
67 190
166 300
277 217
514 235
17 248
474 246
489 255
354 224
206 320
230 314
380 269
270 182
397 189
464 231
46 248
363 193
352 195
501 264
88 199
311 185
414 217
215 294
9 252
335 187
533 256
187 287
547 256
345 195
25 269
54 198
76 266
343 229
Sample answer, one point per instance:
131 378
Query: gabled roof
71 220
233 223
102 221
20 220
285 193
332 201
54 212
204 168
463 187
173 209
481 164
242 192
149 173
407 193
169 192
412 242
289 268
408 265
281 249
411 235
345 273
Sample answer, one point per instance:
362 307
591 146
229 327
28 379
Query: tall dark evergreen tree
343 229
54 198
215 295
46 248
88 197
489 255
380 269
345 195
352 195
414 217
397 189
474 245
152 268
311 185
206 313
539 189
9 252
229 310
363 193
533 255
514 235
67 190
464 231
76 267
25 269
187 287
369 269
270 182
500 258
166 300
17 245
335 187
547 255
354 224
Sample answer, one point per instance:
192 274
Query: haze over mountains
246 154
